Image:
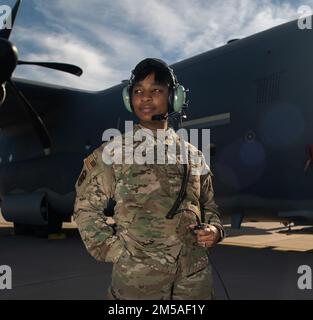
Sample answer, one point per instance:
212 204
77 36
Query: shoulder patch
82 178
90 161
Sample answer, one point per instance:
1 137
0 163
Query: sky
107 38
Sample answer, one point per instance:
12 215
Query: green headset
177 96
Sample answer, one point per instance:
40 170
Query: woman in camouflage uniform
153 257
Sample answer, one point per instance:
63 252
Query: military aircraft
254 94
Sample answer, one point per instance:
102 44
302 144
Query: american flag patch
91 161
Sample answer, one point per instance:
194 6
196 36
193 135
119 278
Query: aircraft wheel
55 224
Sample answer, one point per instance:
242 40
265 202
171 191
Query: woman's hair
162 76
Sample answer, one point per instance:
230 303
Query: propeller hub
8 59
2 94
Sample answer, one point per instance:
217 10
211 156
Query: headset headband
158 63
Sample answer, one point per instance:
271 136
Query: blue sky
108 37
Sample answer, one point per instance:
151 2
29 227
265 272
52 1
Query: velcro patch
90 161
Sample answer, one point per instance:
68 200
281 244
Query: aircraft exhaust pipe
30 209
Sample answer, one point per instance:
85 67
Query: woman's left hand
206 237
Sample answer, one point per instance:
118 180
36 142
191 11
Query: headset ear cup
171 101
179 98
126 99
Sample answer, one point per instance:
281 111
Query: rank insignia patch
82 178
91 161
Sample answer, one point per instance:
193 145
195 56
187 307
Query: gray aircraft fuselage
255 94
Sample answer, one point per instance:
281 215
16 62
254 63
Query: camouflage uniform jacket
144 193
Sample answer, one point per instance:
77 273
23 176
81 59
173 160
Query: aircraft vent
268 88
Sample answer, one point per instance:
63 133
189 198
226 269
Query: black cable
173 211
220 278
203 226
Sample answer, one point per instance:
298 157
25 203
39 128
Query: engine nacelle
26 209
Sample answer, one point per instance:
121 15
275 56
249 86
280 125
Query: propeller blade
5 33
36 120
65 67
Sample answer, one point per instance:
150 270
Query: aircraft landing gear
52 231
21 229
55 227
236 220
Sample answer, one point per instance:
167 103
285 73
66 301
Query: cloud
69 49
107 38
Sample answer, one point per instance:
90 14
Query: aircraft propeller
9 61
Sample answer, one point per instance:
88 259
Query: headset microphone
159 117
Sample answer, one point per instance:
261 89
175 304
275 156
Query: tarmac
259 261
